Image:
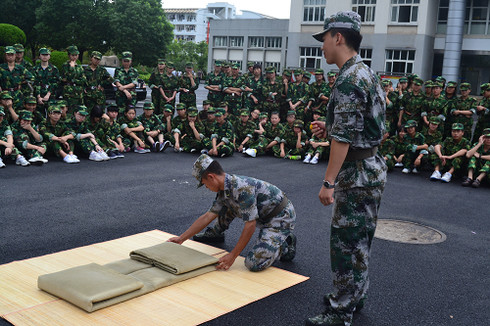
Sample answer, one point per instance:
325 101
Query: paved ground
58 206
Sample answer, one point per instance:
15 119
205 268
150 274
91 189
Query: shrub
11 34
58 58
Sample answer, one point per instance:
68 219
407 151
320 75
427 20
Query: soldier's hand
176 240
326 196
41 150
225 262
318 129
8 151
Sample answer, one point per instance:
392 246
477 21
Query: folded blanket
173 257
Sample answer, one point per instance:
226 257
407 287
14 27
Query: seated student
154 129
387 150
258 142
315 115
166 119
180 117
58 138
432 137
233 119
450 154
30 105
398 139
203 114
99 127
62 104
113 130
317 146
414 144
7 101
7 147
259 204
189 135
255 116
294 142
244 131
288 129
221 137
479 156
132 131
85 141
28 139
209 122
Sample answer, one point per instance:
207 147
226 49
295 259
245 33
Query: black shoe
209 236
155 147
111 155
119 154
291 248
476 183
327 318
467 182
166 144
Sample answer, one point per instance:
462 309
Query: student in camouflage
356 173
14 77
97 77
113 130
317 147
318 96
154 131
451 96
271 137
244 131
132 131
294 142
28 139
20 59
414 143
221 138
189 135
73 78
213 84
387 151
156 85
411 104
298 95
259 204
233 87
100 127
432 137
437 106
479 156
170 85
126 80
7 102
46 80
272 90
188 84
463 109
253 89
483 111
7 145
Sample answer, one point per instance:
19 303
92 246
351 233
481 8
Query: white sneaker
74 159
314 160
436 175
405 170
94 156
446 177
44 160
68 159
398 165
2 165
307 159
414 170
36 159
251 152
104 156
21 160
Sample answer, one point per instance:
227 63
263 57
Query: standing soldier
483 111
188 85
253 89
73 78
13 77
97 76
411 104
156 87
19 57
428 88
272 91
298 95
214 81
250 69
233 87
451 96
463 109
46 80
437 106
126 80
170 86
318 96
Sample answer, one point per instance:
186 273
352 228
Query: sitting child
479 157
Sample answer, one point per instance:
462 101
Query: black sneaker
291 248
209 236
119 154
111 155
467 182
155 147
166 144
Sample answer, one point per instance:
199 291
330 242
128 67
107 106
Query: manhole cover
407 232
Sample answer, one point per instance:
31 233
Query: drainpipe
454 40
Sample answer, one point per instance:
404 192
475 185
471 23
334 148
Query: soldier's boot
289 248
359 305
209 235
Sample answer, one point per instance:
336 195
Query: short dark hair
97 112
214 168
352 38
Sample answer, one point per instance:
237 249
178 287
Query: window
220 41
314 10
477 19
190 28
273 42
399 61
310 58
171 16
255 42
180 17
404 11
367 56
365 8
191 18
179 28
277 65
236 41
442 15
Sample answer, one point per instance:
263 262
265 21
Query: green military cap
2 112
200 166
44 51
435 120
211 110
235 66
223 104
206 102
291 112
226 64
287 73
410 123
189 65
437 84
413 76
385 82
180 106
298 124
18 47
25 115
316 112
319 72
169 106
170 64
218 63
191 109
465 86
219 112
168 110
418 81
72 49
331 74
161 61
54 108
96 54
263 115
250 64
429 83
307 74
62 103
323 119
148 106
270 69
192 113
126 55
485 87
112 108
6 96
486 132
245 112
298 72
9 50
82 109
403 80
30 100
457 126
452 84
342 19
441 79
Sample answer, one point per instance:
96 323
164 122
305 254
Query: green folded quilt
173 258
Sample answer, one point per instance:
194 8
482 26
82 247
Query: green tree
21 14
181 52
10 34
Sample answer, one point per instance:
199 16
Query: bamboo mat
190 302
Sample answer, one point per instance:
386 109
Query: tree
22 14
10 34
181 52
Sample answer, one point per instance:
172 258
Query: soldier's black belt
278 208
360 154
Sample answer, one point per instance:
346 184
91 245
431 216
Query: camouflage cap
235 66
270 69
223 104
298 124
9 50
168 110
440 79
457 126
180 106
206 102
30 100
413 76
465 86
219 112
170 64
112 108
429 83
218 63
403 80
323 119
250 64
148 106
331 74
82 109
263 115
62 103
486 132
437 84
161 61
25 115
72 49
19 47
44 51
211 110
410 123
385 82
6 96
435 120
192 113
287 73
485 87
452 84
307 74
342 19
244 112
54 108
226 64
191 109
291 112
2 112
298 72
126 55
319 72
189 65
96 54
418 81
200 166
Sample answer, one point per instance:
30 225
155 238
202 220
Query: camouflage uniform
448 147
101 131
299 92
256 85
316 90
13 80
411 105
243 131
48 130
46 80
436 107
112 132
126 77
170 84
74 83
272 103
23 137
320 150
189 98
124 123
150 124
234 101
187 138
212 80
392 113
6 131
387 150
411 152
251 199
95 78
290 139
222 133
480 165
81 145
432 140
468 104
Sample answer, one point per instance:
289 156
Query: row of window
182 17
477 17
187 28
187 38
253 42
396 61
277 65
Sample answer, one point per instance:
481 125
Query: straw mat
190 302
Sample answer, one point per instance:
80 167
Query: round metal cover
407 232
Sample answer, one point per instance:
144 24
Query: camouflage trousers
270 107
289 151
54 148
84 146
122 101
390 164
227 150
409 159
15 151
216 98
158 102
259 145
479 165
93 98
319 150
189 143
234 107
300 112
250 105
457 163
30 153
129 141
